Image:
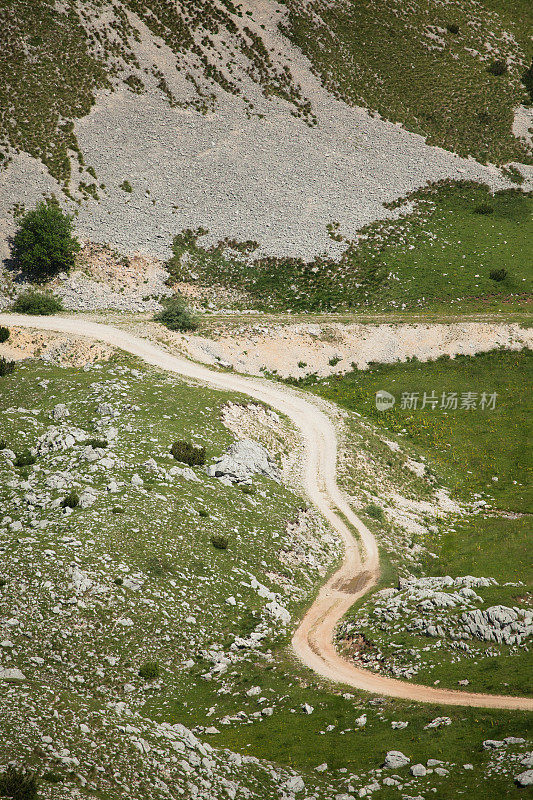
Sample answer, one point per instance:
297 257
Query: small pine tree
44 244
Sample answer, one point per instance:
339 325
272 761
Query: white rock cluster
243 460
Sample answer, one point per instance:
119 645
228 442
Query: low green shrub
498 68
52 777
375 511
176 316
203 512
6 367
126 187
97 443
188 453
484 208
71 500
527 80
247 488
159 566
498 274
25 458
219 542
18 784
4 334
37 303
150 671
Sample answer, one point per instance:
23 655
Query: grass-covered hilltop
265 370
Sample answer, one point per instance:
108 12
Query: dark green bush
44 244
188 453
203 512
220 542
18 784
52 777
71 500
247 488
498 274
375 511
498 68
4 334
97 443
484 208
37 303
150 671
126 187
527 80
176 316
25 458
452 27
6 367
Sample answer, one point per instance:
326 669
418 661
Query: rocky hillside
145 604
258 121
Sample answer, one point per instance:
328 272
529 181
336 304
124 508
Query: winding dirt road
313 640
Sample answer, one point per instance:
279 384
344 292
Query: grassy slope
402 61
168 544
47 77
438 257
466 450
159 537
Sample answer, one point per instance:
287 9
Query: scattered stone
11 674
438 722
525 778
59 412
395 760
294 784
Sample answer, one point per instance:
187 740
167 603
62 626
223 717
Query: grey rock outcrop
59 412
244 459
525 778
